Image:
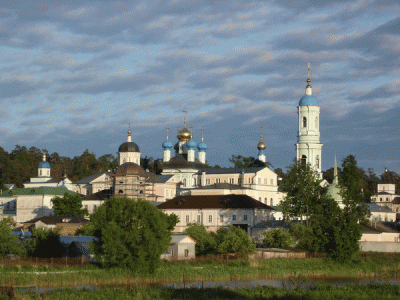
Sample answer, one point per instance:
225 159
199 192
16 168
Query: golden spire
129 129
261 145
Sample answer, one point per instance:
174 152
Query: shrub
278 238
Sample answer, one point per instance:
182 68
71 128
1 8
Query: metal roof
89 179
213 201
43 190
231 170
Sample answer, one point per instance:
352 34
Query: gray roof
89 179
158 178
231 170
180 162
377 208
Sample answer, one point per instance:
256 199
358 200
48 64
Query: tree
9 243
69 205
45 243
351 179
240 162
302 188
278 238
233 240
302 236
131 234
205 241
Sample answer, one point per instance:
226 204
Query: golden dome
184 135
261 146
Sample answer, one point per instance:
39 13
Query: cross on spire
261 132
167 130
202 133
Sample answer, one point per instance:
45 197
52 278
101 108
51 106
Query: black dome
128 147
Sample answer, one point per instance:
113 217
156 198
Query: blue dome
261 152
44 165
202 146
308 101
191 144
167 145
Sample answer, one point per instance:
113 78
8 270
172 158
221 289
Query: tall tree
302 188
131 234
351 179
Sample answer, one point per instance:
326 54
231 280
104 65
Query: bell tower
308 145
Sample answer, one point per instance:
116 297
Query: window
217 180
221 218
231 180
186 252
387 199
94 207
124 160
259 180
233 217
121 182
40 171
316 122
265 200
272 181
271 202
200 181
259 199
210 218
249 180
187 219
184 181
121 191
141 192
198 219
303 160
245 217
208 181
304 122
380 199
317 162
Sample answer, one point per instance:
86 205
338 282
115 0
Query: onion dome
130 169
44 164
167 145
261 146
191 144
202 146
184 135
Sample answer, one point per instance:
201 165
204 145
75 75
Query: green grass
322 291
380 265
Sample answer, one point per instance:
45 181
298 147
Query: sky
75 74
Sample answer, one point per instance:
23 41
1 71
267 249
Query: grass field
374 265
322 291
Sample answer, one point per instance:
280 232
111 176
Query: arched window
303 160
304 122
141 192
316 122
40 172
121 191
124 160
184 182
271 202
317 162
48 173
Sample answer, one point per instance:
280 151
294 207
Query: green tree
233 240
302 236
302 188
205 241
86 229
240 162
9 243
131 234
351 179
69 206
45 243
278 238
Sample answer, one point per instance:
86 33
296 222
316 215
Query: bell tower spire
261 146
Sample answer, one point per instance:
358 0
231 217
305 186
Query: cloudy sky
74 74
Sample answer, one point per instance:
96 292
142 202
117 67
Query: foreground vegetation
321 291
375 265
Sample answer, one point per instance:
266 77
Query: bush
302 236
45 243
205 241
233 240
278 238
